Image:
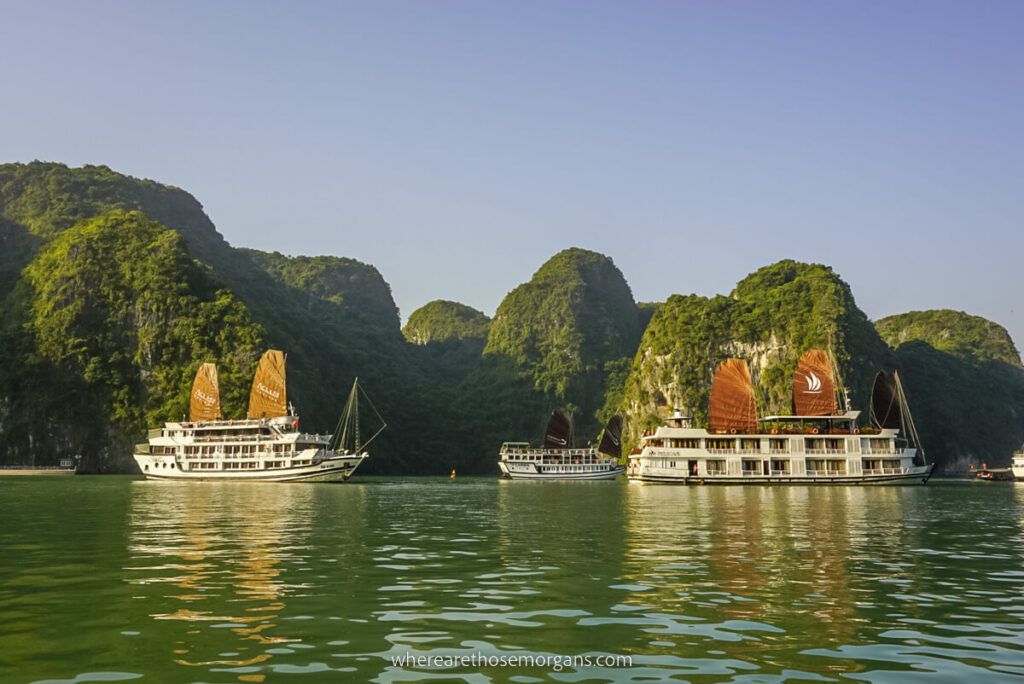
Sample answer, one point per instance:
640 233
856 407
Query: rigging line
379 416
905 408
370 402
344 422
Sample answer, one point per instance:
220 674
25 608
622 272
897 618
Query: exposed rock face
770 319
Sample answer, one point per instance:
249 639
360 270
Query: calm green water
108 578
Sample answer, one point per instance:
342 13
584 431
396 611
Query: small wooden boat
994 474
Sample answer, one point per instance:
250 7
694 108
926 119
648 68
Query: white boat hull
917 475
530 471
336 469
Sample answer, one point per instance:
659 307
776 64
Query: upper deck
522 451
282 429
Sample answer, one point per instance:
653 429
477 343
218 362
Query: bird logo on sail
813 384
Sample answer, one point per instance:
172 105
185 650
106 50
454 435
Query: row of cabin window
774 444
718 466
227 450
250 465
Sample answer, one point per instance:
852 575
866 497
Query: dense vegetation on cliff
345 324
770 319
950 331
113 290
567 329
441 321
965 381
102 335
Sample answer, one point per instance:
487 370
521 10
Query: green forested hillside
330 337
442 321
568 330
114 289
950 331
770 319
102 335
964 377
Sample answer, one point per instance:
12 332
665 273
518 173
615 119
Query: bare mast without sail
889 409
347 436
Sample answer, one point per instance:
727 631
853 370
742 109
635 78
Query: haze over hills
115 289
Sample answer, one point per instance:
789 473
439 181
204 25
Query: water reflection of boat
211 555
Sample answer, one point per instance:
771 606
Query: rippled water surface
108 579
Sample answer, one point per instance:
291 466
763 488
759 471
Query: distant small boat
558 459
994 474
67 466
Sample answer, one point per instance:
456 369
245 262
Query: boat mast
348 429
347 432
909 428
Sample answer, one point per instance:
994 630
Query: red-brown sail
268 398
732 406
204 404
814 388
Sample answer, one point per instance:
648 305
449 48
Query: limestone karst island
518 342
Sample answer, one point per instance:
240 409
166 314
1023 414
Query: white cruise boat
558 460
267 446
1017 465
818 445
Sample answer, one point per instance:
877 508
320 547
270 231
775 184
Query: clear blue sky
458 145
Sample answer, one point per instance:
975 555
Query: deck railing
825 451
887 471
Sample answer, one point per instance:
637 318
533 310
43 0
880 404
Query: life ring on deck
732 431
815 431
775 431
856 430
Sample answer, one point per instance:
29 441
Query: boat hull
916 476
338 469
37 471
512 474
